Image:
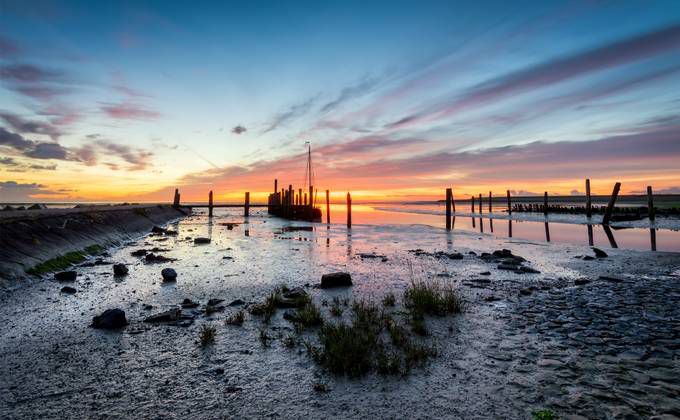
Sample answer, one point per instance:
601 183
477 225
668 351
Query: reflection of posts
328 208
547 232
472 200
509 228
652 238
491 224
610 236
509 204
448 208
246 210
481 225
590 235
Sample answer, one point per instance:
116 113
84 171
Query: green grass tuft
62 262
430 298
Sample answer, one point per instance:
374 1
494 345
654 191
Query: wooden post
650 204
610 205
545 204
175 199
299 195
311 203
210 204
453 203
328 208
480 204
290 199
490 196
276 185
509 203
349 211
305 200
449 194
472 198
589 205
246 213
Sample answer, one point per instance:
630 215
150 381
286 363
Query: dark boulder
139 253
293 298
110 319
65 276
237 302
169 274
201 241
168 316
335 280
215 302
188 304
68 290
599 253
120 270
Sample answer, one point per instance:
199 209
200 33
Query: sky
126 101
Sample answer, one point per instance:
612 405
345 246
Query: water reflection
491 224
652 238
590 235
509 228
610 236
547 232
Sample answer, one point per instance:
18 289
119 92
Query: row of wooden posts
289 198
451 204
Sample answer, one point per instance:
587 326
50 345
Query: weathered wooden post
650 204
449 194
490 197
175 199
311 203
300 196
246 213
472 201
509 203
349 211
589 204
480 204
210 204
276 185
610 205
328 208
453 205
290 200
545 204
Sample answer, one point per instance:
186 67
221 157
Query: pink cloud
128 111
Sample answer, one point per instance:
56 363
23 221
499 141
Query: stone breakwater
28 240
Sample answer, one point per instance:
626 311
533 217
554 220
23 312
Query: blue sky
151 95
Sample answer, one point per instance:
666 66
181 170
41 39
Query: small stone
201 241
236 302
139 253
110 319
167 316
336 280
525 292
120 270
599 253
169 274
188 304
68 290
581 282
66 276
588 258
215 302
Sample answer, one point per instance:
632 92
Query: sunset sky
400 99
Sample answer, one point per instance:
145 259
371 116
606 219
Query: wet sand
564 339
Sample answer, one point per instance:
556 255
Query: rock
168 316
525 292
336 280
236 302
153 258
201 241
110 319
485 273
581 282
215 302
611 279
171 233
188 304
68 290
508 267
157 230
37 207
65 276
169 274
529 270
295 298
120 270
599 253
588 258
139 253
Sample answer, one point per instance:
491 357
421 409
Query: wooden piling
305 200
290 199
650 204
449 195
610 205
472 200
210 204
300 196
328 208
545 204
509 203
175 199
490 197
349 211
589 204
453 203
246 212
276 185
311 202
480 204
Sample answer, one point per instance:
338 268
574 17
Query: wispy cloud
239 129
128 111
293 112
551 72
24 126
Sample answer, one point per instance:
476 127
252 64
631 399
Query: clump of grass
398 334
236 319
543 415
345 349
418 325
427 297
264 338
336 309
207 335
389 300
307 316
267 309
388 363
416 354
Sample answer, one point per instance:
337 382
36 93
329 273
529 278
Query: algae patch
64 261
